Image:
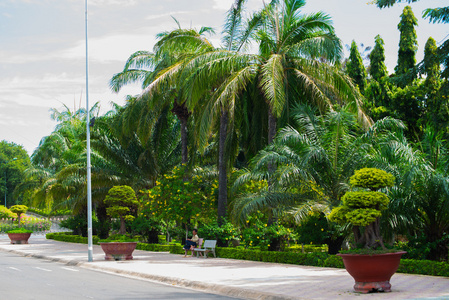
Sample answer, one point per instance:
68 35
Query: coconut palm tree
211 81
214 81
172 48
298 53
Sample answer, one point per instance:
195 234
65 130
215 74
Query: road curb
190 284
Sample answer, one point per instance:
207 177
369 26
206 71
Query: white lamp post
89 191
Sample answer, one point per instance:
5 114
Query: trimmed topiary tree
363 208
19 210
121 202
6 213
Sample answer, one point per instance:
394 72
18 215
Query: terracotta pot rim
374 254
118 243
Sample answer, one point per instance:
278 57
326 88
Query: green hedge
69 237
318 259
424 267
153 247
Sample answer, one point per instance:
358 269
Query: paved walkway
236 278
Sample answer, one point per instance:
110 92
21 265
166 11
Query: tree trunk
272 123
183 114
222 172
184 150
334 244
372 236
122 229
271 168
103 221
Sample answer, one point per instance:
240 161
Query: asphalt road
31 278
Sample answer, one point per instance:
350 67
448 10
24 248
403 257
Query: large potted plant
370 263
19 235
121 202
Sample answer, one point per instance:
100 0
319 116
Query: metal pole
6 188
89 191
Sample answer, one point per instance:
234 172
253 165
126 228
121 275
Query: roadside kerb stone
235 278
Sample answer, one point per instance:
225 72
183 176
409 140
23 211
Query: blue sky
42 54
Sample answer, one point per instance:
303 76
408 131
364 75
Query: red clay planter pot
19 238
118 250
372 273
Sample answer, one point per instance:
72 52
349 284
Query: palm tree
297 52
56 152
215 79
314 159
419 200
211 80
170 51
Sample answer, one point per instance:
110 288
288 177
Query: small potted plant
371 264
19 235
120 201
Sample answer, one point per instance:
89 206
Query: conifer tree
408 45
356 69
431 65
378 69
376 91
435 15
437 113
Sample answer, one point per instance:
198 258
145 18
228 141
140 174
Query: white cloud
109 48
112 2
223 4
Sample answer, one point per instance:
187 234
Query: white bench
209 246
199 243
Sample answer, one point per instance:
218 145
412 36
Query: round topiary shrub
364 208
5 213
371 178
19 210
121 203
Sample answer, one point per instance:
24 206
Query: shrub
19 210
121 203
71 238
119 238
333 261
226 233
267 237
5 213
363 208
306 248
313 229
78 224
35 224
19 230
49 213
371 178
186 202
147 227
424 267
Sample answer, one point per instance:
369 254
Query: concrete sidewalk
235 278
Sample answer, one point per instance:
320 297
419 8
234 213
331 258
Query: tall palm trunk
222 172
272 123
183 114
272 120
184 150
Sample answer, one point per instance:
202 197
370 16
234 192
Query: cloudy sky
42 52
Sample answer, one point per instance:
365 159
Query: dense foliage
121 202
362 209
282 130
19 210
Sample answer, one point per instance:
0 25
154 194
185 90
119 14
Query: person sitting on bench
191 243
